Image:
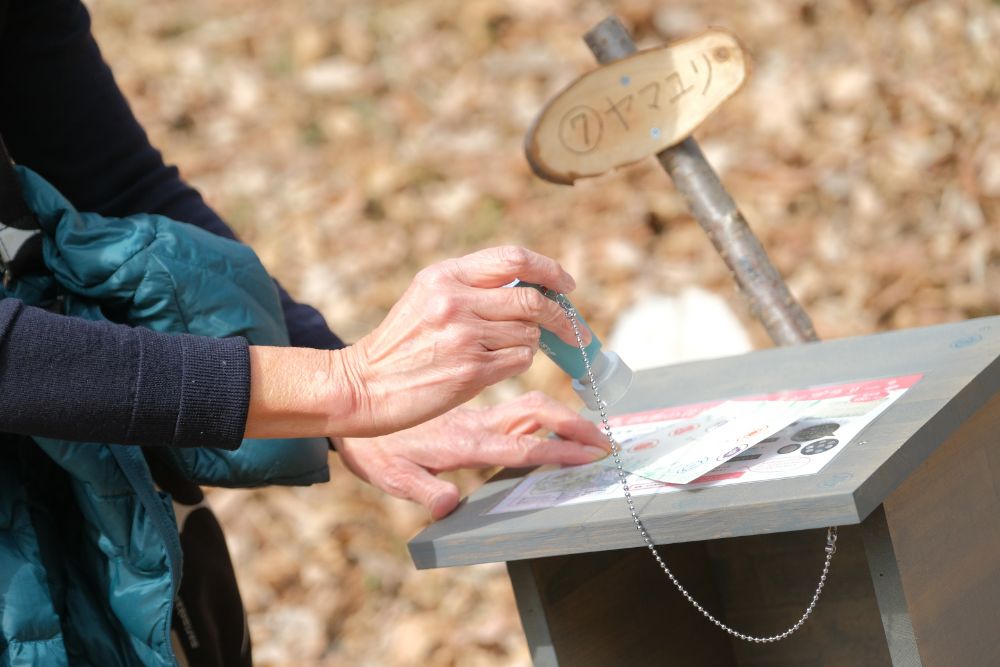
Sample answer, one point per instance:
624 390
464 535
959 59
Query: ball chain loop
831 533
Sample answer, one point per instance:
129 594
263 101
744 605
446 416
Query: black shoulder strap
20 234
13 211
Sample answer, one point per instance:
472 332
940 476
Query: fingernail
439 509
596 453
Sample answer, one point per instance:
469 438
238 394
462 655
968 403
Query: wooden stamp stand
917 573
916 577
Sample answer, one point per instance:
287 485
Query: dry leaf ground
353 142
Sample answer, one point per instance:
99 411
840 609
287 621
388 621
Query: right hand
455 331
406 464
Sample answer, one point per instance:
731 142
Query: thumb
405 479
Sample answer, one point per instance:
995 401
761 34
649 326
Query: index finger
496 267
530 412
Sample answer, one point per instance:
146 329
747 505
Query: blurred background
352 143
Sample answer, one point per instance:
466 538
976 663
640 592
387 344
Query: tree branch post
769 298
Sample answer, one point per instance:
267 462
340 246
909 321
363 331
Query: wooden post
768 296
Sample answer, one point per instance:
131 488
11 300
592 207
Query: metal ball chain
831 533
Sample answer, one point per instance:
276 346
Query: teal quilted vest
107 598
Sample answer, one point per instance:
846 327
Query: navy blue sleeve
63 115
73 379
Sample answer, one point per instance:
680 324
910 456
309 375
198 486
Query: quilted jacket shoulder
114 594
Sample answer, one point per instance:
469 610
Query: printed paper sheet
750 439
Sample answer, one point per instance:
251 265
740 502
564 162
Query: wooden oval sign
635 107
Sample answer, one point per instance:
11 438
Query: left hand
405 464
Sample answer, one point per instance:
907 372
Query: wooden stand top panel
960 364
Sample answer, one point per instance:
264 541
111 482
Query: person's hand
455 331
405 464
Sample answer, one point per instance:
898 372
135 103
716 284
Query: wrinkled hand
455 331
405 464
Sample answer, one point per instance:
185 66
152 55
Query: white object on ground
658 330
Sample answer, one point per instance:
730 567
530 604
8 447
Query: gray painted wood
765 583
945 526
594 618
531 609
888 586
961 366
617 608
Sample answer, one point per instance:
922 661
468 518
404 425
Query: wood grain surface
945 526
635 107
617 607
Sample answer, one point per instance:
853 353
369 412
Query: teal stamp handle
566 356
